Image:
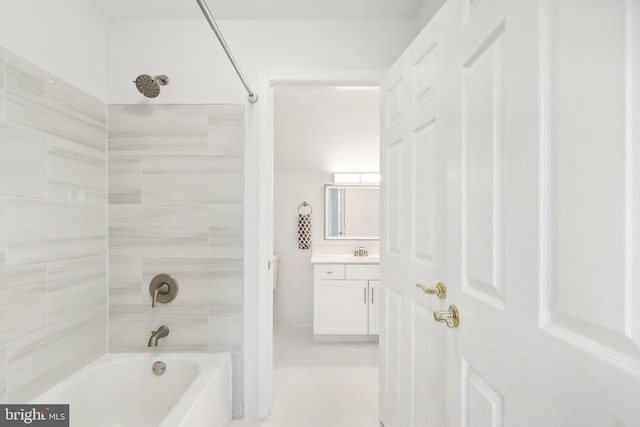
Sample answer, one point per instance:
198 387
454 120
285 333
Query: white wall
324 129
293 298
188 52
317 131
64 37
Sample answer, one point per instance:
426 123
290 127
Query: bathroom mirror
352 212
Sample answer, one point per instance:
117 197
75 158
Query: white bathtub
120 390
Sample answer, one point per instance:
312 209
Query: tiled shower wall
53 237
176 207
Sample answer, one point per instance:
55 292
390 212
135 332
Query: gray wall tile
125 280
125 179
23 303
3 376
237 380
42 231
192 179
53 230
176 194
3 234
200 280
149 230
226 230
41 360
136 129
130 327
77 171
226 327
23 163
2 84
226 130
41 101
76 288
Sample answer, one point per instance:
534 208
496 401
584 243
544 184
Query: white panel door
588 230
543 236
413 159
481 353
539 124
394 254
340 307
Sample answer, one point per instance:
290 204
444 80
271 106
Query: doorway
296 180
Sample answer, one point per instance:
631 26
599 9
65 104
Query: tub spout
162 332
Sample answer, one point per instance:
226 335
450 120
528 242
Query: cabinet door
340 307
374 307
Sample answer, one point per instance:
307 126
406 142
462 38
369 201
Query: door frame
258 310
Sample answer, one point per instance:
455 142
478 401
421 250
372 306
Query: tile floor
322 384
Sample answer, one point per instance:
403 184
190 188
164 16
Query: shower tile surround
174 205
176 191
53 234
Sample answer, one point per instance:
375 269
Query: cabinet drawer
328 271
363 272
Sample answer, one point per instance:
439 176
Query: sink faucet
162 332
361 251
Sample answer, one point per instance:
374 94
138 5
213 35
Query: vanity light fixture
370 178
356 178
346 178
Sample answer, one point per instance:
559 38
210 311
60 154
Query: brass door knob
440 290
450 317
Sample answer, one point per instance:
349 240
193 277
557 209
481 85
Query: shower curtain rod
253 97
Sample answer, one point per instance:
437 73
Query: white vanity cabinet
374 307
345 299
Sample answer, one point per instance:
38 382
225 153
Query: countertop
325 258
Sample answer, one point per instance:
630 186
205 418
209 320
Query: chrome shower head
150 86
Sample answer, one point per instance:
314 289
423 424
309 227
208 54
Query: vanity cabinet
374 307
346 299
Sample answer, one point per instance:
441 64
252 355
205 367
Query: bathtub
120 390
